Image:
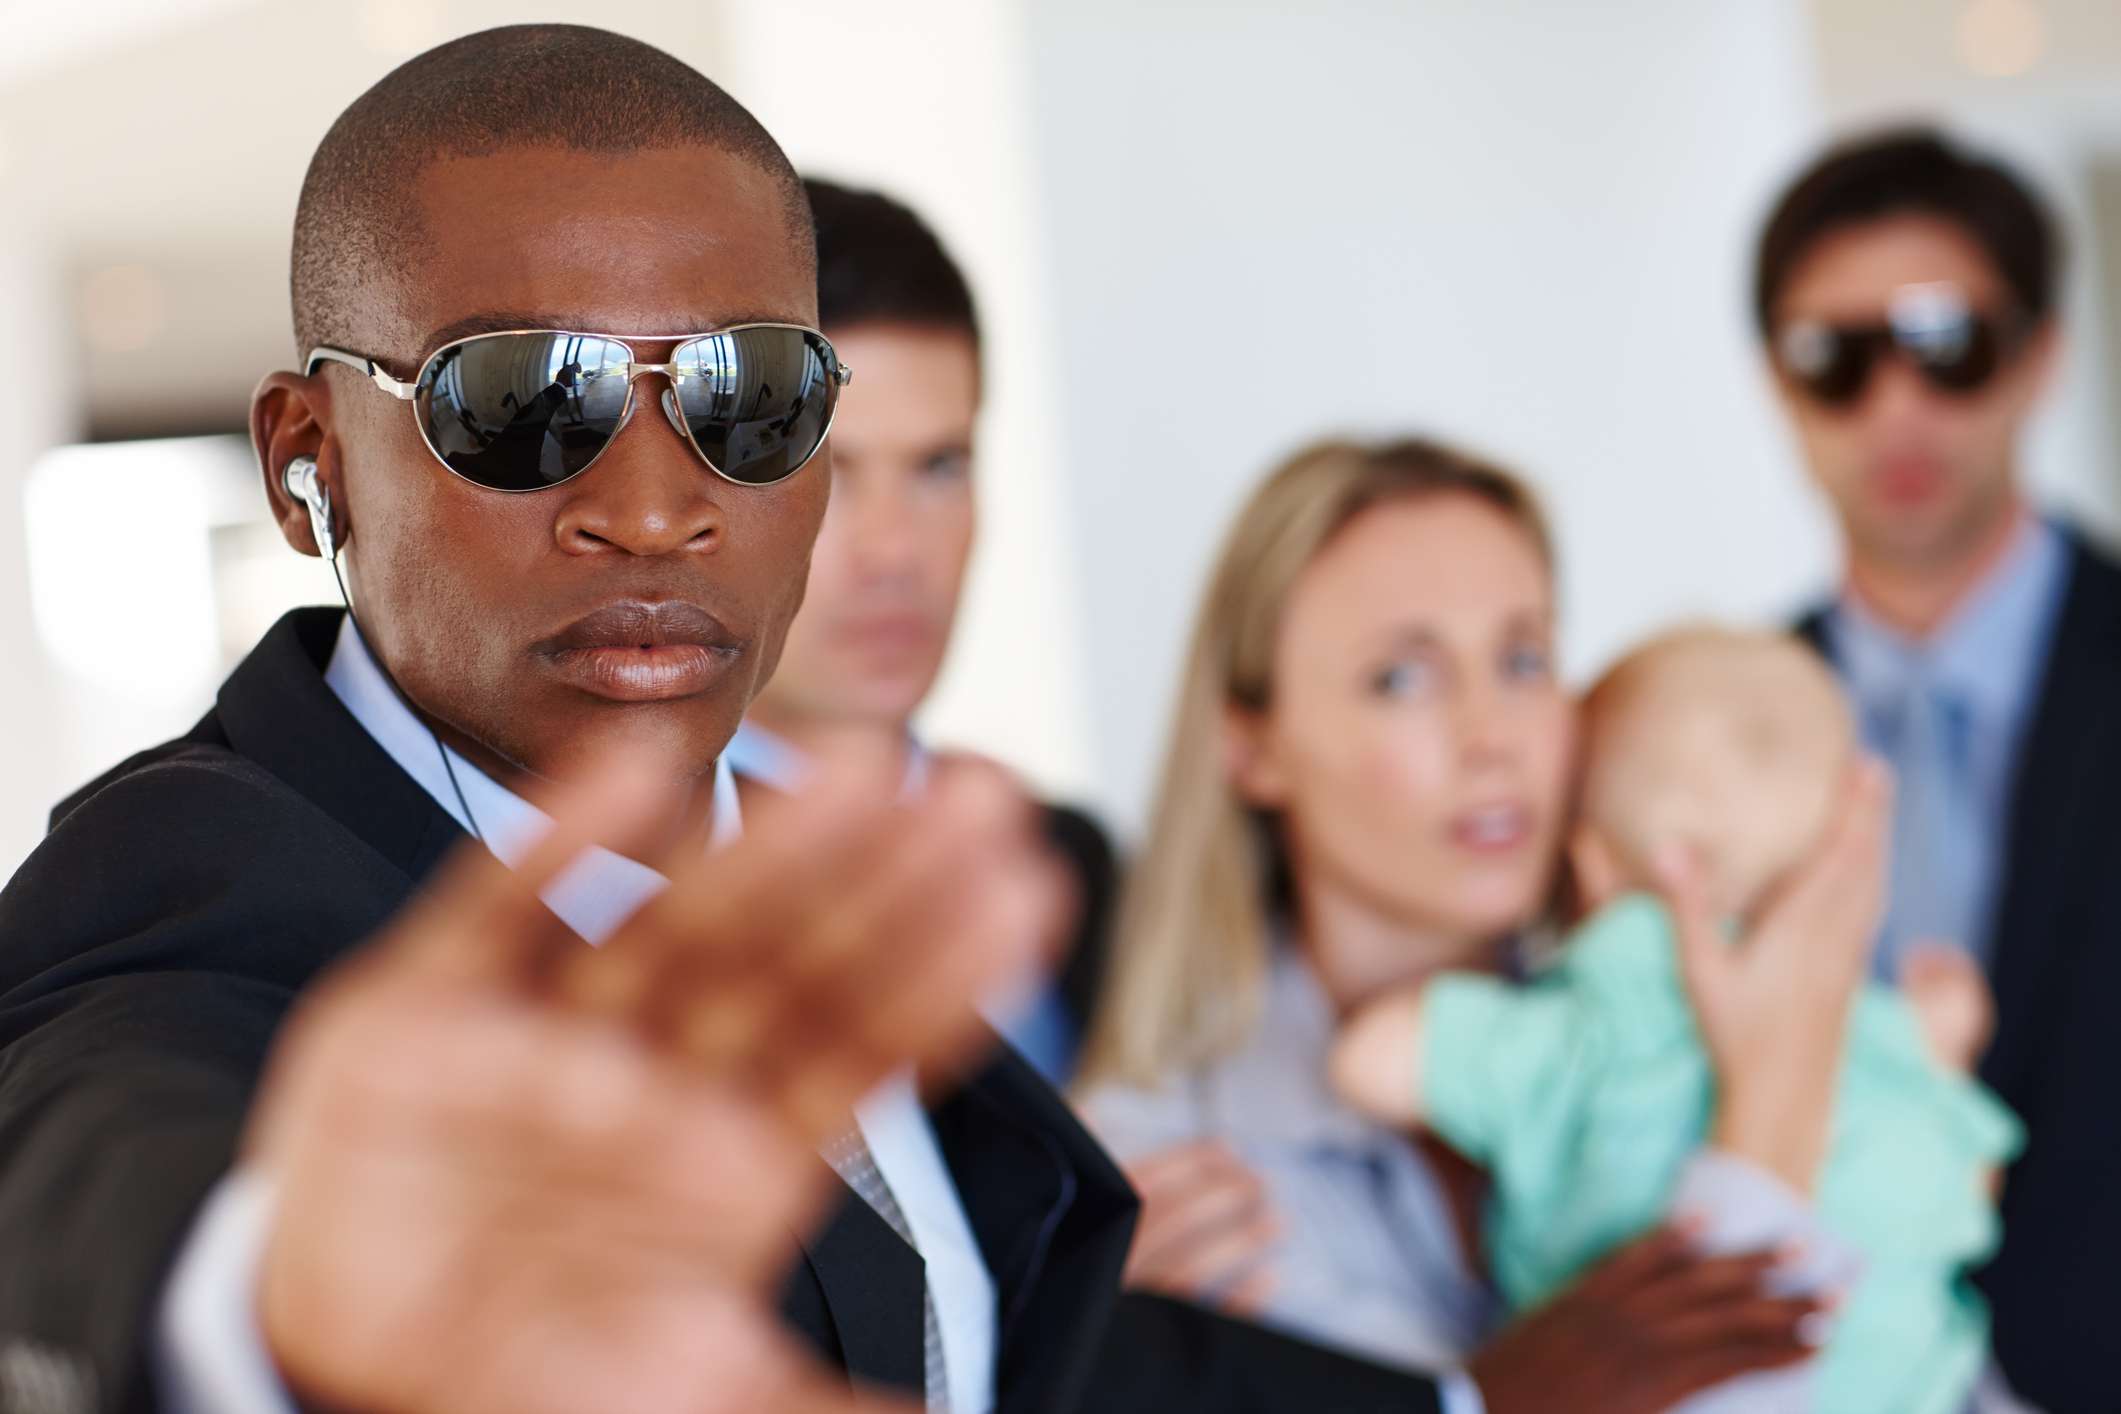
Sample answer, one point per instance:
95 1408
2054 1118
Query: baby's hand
1952 1001
1376 1061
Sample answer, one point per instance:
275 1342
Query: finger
981 917
1648 1258
964 897
1216 1258
724 913
1840 892
1705 959
969 822
1699 1280
923 1012
805 924
1184 1221
484 922
1249 1298
909 998
1180 1166
1673 1379
1753 1320
643 1146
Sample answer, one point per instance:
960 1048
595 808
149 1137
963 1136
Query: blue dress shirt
1949 712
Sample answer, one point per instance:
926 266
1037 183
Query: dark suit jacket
1082 842
2056 970
151 946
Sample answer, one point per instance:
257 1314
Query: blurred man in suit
1906 291
889 565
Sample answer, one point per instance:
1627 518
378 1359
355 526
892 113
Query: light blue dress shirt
211 1357
1949 713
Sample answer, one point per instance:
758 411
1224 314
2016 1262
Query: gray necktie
850 1158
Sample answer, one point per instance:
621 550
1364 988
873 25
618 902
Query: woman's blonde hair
1192 948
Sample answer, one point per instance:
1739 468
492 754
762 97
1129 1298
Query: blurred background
1202 231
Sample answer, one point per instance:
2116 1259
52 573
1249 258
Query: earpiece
300 480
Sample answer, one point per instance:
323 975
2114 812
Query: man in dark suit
305 1101
1906 290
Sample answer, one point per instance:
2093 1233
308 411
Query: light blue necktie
1937 884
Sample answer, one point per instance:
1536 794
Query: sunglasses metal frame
838 372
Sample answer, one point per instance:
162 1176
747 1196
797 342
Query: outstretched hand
1649 1326
517 1174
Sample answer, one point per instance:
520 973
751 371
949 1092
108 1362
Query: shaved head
565 87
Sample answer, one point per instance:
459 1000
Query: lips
1907 481
1492 829
642 650
889 633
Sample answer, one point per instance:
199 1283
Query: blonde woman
1367 780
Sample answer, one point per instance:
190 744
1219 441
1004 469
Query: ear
1251 760
289 417
1594 869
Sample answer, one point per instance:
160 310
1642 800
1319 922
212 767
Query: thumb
481 922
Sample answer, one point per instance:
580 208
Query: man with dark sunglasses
309 1100
1905 290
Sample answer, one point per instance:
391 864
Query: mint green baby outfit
1584 1091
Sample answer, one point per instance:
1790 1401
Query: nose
878 527
649 494
1896 393
1487 732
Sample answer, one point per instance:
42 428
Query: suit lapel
279 712
869 1283
2062 788
1053 1218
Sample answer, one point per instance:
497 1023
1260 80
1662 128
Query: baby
1584 1091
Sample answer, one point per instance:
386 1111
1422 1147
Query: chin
1499 911
687 733
894 697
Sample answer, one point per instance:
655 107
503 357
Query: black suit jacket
151 946
2056 970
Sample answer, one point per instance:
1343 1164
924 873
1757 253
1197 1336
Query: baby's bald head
1730 744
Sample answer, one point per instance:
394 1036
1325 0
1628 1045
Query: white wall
928 102
1523 225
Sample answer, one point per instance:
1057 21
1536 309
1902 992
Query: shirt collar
770 758
592 896
2003 621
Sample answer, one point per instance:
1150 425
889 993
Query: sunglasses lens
1959 358
757 401
519 412
1831 364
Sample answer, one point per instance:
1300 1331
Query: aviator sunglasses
528 409
1955 348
